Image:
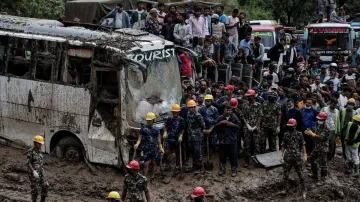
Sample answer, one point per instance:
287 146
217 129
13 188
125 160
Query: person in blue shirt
150 137
245 44
222 16
309 120
120 17
173 135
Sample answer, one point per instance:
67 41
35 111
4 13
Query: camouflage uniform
35 159
251 113
195 124
174 126
150 148
210 114
293 143
318 157
271 110
135 186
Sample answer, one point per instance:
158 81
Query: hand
307 131
36 174
165 135
277 130
161 149
254 128
180 138
224 122
281 157
305 157
229 123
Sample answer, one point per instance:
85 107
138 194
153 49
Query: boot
356 174
349 168
247 160
42 199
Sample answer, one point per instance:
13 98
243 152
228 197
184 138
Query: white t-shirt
232 21
207 30
316 87
118 21
275 77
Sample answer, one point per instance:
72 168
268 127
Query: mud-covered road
74 182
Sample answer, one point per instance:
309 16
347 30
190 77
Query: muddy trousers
36 184
249 138
228 150
268 134
298 166
318 161
196 154
352 154
332 146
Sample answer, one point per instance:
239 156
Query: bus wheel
70 148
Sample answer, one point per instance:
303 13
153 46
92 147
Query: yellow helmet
175 108
114 195
352 101
39 139
357 118
150 116
209 97
191 103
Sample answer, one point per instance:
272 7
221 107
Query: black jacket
275 51
227 134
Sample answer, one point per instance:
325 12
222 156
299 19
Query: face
161 8
197 84
175 114
197 13
257 42
350 106
234 14
222 41
201 99
119 9
228 92
305 81
283 42
203 85
242 15
150 123
354 50
290 105
317 80
332 105
218 10
308 103
37 145
192 109
172 9
227 112
206 12
355 96
207 43
140 6
248 38
170 19
208 102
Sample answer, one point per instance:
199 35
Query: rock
340 194
12 176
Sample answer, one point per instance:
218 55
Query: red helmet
198 191
250 93
234 103
133 165
322 116
291 122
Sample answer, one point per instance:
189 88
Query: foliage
49 9
255 12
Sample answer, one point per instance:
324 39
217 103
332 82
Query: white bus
86 92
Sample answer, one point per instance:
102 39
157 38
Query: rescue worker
318 157
347 114
135 185
271 127
352 142
252 114
173 135
229 89
196 128
210 115
227 128
234 103
36 170
113 196
198 194
150 136
291 148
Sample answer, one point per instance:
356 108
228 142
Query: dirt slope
75 182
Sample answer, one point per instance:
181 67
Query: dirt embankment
75 182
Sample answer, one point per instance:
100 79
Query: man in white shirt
161 13
290 57
232 24
182 31
317 85
217 28
207 19
197 26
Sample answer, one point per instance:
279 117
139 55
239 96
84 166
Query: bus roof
123 39
263 29
329 24
263 22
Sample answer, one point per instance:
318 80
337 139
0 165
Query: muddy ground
74 182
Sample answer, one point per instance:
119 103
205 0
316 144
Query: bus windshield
330 41
267 38
153 89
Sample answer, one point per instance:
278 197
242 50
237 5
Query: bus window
78 66
20 58
46 57
3 44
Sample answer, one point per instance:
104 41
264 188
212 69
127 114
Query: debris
12 176
339 194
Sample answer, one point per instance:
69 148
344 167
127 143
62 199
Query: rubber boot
42 199
349 169
314 172
356 174
247 161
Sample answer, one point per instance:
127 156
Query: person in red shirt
186 70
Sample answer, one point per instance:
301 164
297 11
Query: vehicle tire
70 148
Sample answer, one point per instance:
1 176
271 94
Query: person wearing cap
35 165
319 157
229 90
182 31
120 17
195 129
252 115
150 137
218 28
227 129
271 127
351 139
210 115
135 184
173 136
293 154
198 194
290 57
152 24
138 17
113 196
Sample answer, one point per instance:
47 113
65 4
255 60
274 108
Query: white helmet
333 64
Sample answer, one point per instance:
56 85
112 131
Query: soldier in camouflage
252 114
210 114
135 185
270 127
318 157
291 148
195 127
36 170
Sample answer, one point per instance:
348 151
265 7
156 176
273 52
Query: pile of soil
75 182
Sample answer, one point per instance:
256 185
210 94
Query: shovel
208 165
181 176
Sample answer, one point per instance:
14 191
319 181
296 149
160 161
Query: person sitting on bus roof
120 17
275 52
